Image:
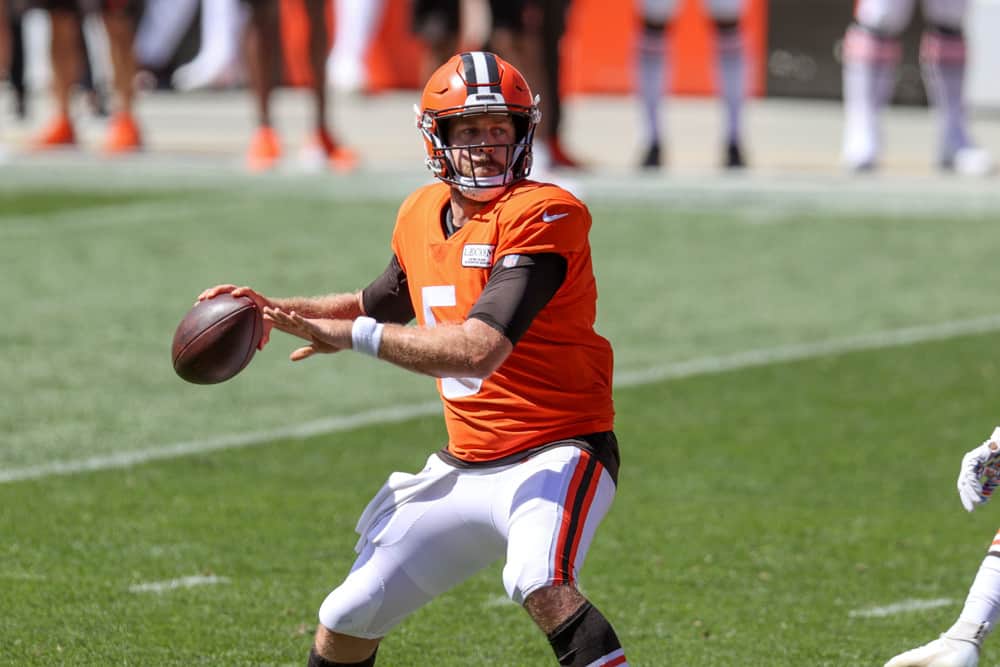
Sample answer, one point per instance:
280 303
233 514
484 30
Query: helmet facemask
443 159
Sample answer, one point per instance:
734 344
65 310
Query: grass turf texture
758 508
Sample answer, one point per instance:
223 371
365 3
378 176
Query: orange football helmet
477 82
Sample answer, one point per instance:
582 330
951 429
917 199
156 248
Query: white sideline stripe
802 351
173 584
702 366
900 608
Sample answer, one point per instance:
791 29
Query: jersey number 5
443 296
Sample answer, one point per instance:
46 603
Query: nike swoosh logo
552 218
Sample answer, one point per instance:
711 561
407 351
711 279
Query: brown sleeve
518 288
387 298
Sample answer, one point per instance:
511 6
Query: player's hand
324 336
260 300
980 473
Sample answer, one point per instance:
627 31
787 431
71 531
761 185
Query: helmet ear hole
521 125
443 127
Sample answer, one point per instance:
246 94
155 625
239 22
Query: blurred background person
68 61
654 54
218 63
872 52
162 27
355 27
262 44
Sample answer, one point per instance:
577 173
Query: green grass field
796 386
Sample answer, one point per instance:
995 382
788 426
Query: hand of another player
980 473
324 336
260 300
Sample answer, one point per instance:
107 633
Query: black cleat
651 158
734 157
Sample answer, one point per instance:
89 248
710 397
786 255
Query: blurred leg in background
261 45
65 50
120 17
161 28
437 23
545 24
732 76
321 148
872 53
357 21
13 51
218 63
943 64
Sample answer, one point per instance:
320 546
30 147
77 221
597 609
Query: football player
496 269
959 645
872 51
651 58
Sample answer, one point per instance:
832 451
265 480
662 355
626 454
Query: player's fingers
213 292
266 335
276 317
253 295
302 353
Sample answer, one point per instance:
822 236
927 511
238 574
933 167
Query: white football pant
424 534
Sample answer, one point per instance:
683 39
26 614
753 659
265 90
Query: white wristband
366 336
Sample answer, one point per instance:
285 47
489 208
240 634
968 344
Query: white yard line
173 584
693 367
900 608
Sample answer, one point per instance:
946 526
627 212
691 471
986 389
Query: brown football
217 339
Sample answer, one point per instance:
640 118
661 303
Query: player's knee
351 609
521 579
943 46
862 45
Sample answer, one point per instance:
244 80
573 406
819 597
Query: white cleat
969 161
942 652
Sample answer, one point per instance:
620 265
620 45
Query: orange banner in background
598 48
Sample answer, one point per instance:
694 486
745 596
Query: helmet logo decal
481 73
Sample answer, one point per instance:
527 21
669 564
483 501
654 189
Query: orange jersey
556 383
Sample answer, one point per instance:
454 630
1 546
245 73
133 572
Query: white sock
732 79
942 61
869 77
651 56
356 23
983 602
